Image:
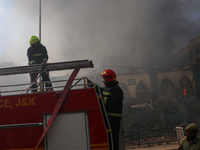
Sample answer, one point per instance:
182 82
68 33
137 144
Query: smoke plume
119 33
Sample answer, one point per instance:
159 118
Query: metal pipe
20 125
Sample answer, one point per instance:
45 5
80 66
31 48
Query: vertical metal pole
40 20
84 79
40 8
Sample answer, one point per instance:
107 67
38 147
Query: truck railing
25 88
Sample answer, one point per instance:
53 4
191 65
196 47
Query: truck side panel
30 108
18 111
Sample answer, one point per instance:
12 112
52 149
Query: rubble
165 112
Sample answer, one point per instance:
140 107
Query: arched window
185 85
167 88
143 93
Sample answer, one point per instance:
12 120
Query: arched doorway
142 92
167 88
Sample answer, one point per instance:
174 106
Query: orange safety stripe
39 148
102 146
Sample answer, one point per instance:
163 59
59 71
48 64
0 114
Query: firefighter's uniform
113 98
113 102
38 55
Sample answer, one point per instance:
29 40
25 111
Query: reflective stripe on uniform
38 54
94 85
31 62
114 114
105 100
106 93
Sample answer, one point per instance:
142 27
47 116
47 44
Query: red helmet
109 75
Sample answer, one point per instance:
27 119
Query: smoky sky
120 32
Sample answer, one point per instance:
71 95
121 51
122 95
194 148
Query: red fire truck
72 118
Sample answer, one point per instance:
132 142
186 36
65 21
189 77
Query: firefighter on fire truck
37 54
113 101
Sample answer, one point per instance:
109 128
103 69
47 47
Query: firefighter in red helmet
113 101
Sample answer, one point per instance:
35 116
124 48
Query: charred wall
132 81
175 77
153 81
162 99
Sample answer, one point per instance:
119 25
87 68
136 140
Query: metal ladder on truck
39 68
49 67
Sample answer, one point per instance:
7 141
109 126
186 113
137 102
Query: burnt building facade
156 100
164 98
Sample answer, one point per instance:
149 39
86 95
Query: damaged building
163 98
156 100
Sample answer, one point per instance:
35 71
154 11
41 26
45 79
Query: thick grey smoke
124 32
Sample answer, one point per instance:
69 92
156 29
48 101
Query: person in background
113 100
190 141
37 54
